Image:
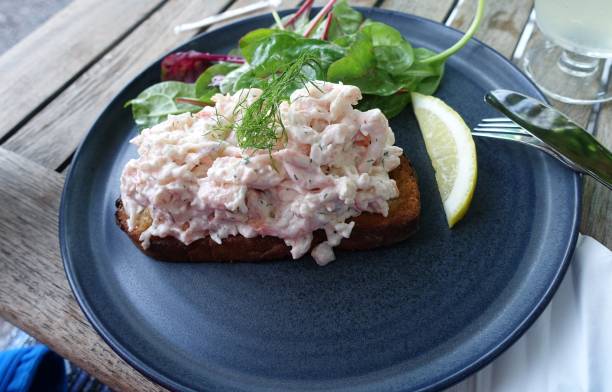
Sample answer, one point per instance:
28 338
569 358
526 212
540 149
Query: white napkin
569 347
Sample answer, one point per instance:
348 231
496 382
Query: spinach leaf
393 53
264 46
429 75
386 68
154 104
345 21
377 61
421 77
359 68
390 105
270 52
228 83
206 86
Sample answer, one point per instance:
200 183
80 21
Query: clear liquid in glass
582 26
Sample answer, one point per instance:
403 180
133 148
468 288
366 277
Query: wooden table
56 82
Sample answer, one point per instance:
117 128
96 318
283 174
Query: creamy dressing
331 165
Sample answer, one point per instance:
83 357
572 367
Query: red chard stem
306 6
327 26
191 101
317 19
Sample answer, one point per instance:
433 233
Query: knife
556 130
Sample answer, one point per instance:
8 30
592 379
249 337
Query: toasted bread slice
370 231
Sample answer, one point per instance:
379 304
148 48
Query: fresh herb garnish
261 124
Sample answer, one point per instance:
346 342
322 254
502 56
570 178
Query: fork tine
497 119
506 131
498 125
523 139
513 137
509 130
530 141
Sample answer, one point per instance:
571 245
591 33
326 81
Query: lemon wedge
451 148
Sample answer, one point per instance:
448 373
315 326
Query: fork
502 128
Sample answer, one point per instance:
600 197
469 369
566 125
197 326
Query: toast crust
370 231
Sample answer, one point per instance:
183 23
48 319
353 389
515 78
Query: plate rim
148 372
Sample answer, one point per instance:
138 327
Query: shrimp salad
331 163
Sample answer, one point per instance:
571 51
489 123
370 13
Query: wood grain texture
38 66
501 25
34 292
597 206
20 18
53 134
435 10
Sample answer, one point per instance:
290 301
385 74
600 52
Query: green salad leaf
154 104
204 87
269 52
378 61
345 21
428 74
390 105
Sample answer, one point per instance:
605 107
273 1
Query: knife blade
552 127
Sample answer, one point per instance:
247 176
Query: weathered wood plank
42 63
34 293
501 25
597 206
21 18
53 134
435 10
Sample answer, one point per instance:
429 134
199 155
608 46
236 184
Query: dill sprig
261 121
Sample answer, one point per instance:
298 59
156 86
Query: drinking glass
574 63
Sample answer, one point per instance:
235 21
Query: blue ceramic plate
419 315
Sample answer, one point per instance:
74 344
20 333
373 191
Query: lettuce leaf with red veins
188 66
154 104
209 82
345 21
